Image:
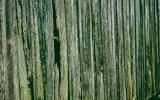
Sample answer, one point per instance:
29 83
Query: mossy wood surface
79 49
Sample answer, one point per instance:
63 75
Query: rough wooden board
79 49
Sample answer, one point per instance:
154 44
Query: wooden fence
79 49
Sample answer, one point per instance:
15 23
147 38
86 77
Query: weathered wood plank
72 44
79 49
87 67
60 17
98 50
2 32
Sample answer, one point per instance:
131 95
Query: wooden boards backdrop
79 49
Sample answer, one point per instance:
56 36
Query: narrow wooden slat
2 32
87 74
61 25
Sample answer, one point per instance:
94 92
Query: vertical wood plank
87 69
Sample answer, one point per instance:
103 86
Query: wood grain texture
79 49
